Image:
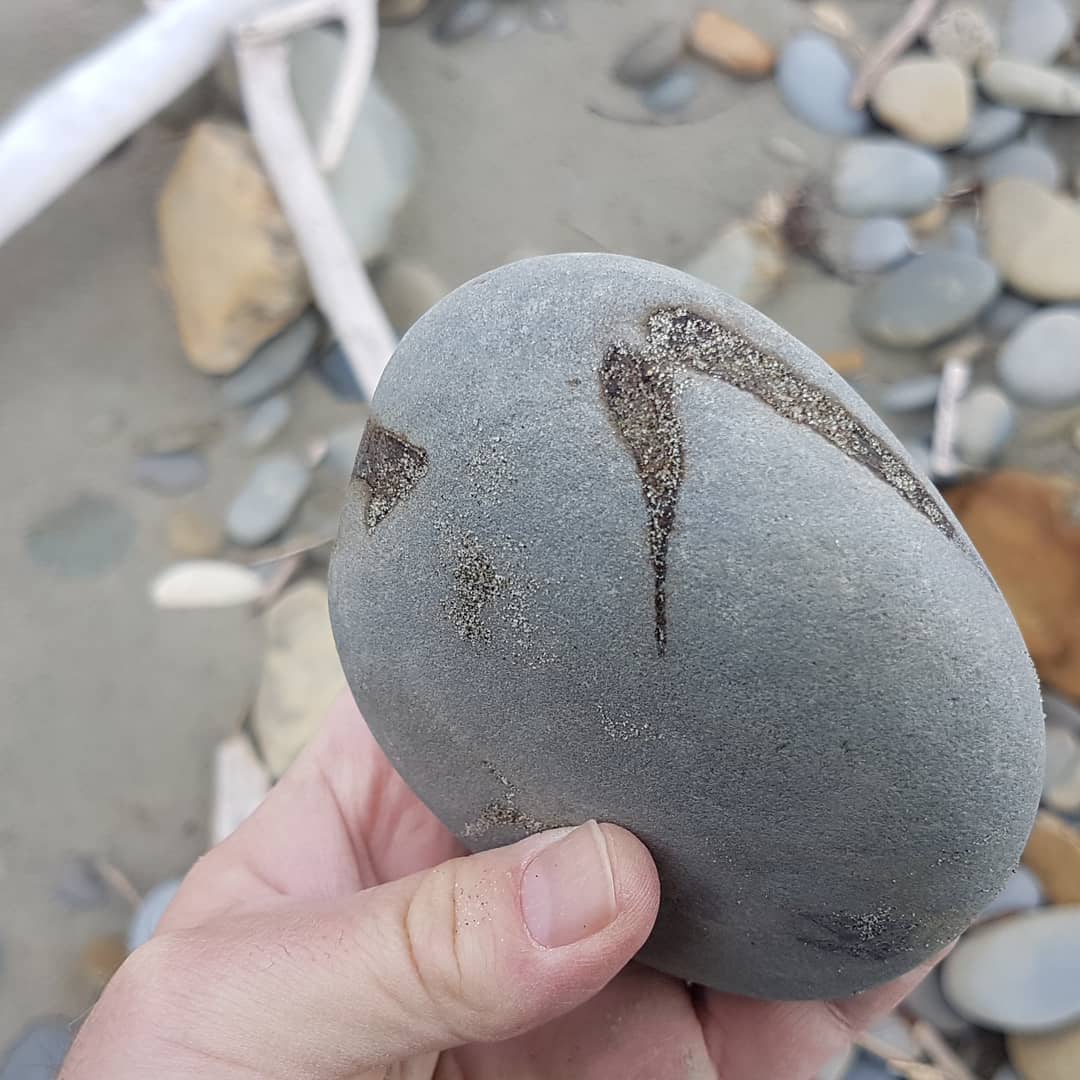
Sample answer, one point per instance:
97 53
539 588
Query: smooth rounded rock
814 78
651 55
1037 30
673 92
925 99
172 474
878 244
266 422
992 126
964 33
149 913
1018 974
275 365
1032 162
268 501
928 1003
1031 87
1053 1056
885 176
1022 892
546 618
911 395
964 236
39 1051
193 534
926 300
1040 362
985 422
1005 314
460 19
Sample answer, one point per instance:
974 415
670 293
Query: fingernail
568 890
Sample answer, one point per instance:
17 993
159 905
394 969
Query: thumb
478 949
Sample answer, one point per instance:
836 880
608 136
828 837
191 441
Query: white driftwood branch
955 377
338 279
68 126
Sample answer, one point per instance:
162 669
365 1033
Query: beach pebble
928 299
1022 892
672 92
334 369
1033 236
883 176
930 221
1053 1056
964 236
992 126
1053 855
745 260
1005 314
1039 364
1037 30
911 395
459 19
39 1051
399 11
407 289
925 99
203 583
193 534
1030 87
1062 712
149 912
985 422
494 551
651 55
963 32
730 45
268 501
928 1003
549 16
814 78
274 366
879 243
171 474
1018 974
80 886
266 422
1027 160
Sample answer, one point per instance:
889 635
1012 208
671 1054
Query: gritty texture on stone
389 466
835 760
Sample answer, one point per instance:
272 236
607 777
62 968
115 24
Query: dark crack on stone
390 466
875 935
639 386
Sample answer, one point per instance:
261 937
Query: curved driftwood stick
895 42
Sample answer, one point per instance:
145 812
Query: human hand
339 934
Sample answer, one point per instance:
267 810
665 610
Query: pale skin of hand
342 934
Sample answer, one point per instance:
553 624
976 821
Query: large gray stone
772 653
1040 362
887 176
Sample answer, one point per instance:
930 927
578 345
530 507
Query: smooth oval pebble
651 55
39 1051
911 395
1005 314
1040 362
204 583
268 501
926 99
149 912
673 92
1031 162
886 176
1030 87
266 422
1053 1056
1018 974
992 127
926 300
275 365
460 19
748 676
878 244
1022 892
928 1003
985 422
964 236
1037 30
814 78
172 474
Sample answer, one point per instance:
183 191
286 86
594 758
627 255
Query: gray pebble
1040 362
673 92
506 22
266 422
985 422
269 499
1032 87
911 395
928 1003
652 55
885 176
460 19
549 16
80 886
83 538
878 244
1005 314
926 300
1028 160
39 1052
964 236
1061 712
275 365
149 912
172 474
1037 30
814 78
497 548
1022 892
992 127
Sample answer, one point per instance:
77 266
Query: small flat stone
101 959
1053 1056
814 78
172 474
149 912
275 365
731 45
673 92
911 395
883 176
963 32
1033 236
1031 87
1022 892
1005 314
1053 855
985 422
745 260
1027 160
82 538
400 11
39 1052
406 290
268 500
1018 974
928 1003
1037 30
926 99
337 373
80 886
1040 362
506 22
651 55
193 534
992 126
203 583
266 422
926 300
879 243
174 438
460 19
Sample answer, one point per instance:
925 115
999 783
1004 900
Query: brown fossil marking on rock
638 389
390 466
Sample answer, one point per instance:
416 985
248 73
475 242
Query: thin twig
905 1067
118 881
284 570
300 547
954 382
939 1051
891 46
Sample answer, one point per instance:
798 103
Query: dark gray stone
268 501
814 78
651 55
993 126
1040 362
275 365
780 663
926 300
84 537
39 1052
172 474
884 176
463 18
673 92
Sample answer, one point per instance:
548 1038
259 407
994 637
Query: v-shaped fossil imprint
638 389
